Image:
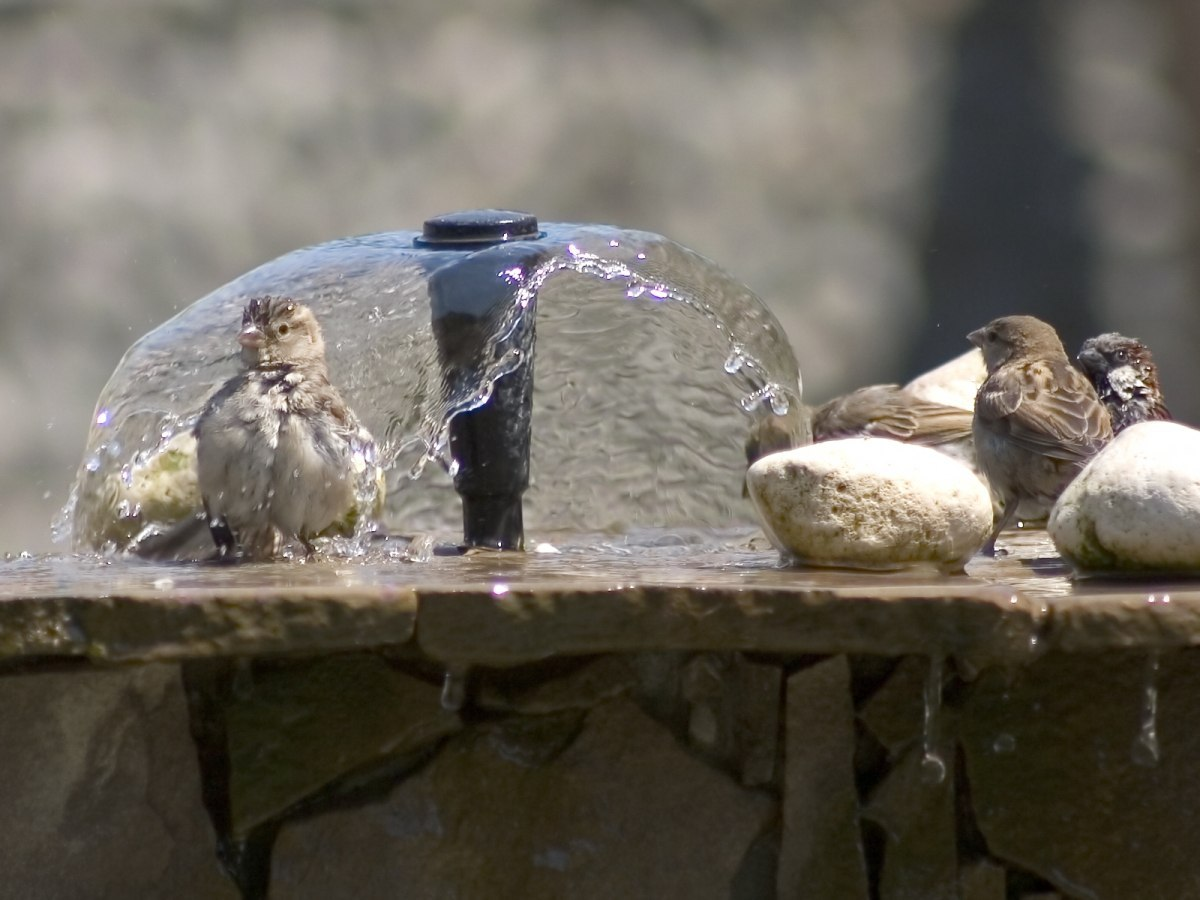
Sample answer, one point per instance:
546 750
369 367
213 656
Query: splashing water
933 766
1146 750
648 361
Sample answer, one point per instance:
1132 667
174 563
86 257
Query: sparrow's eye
1122 356
282 329
990 337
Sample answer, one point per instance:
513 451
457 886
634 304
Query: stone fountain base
686 731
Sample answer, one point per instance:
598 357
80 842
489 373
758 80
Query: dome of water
651 366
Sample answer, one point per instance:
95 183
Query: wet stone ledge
333 731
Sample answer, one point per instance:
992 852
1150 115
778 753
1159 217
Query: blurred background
885 174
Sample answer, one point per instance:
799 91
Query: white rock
1136 506
953 383
871 503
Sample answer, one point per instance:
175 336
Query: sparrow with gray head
1037 418
276 444
1125 377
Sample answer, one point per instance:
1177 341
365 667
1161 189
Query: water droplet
102 418
779 402
1004 743
933 767
933 770
735 361
1146 751
634 291
499 589
92 464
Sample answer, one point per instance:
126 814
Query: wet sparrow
278 452
1037 418
1124 375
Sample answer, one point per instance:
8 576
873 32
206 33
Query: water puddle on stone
698 558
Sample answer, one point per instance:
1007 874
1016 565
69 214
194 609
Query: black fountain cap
478 226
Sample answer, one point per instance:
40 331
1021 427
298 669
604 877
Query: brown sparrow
278 452
1037 418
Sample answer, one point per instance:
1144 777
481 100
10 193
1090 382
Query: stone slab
821 854
294 731
1062 781
622 811
529 623
1157 616
118 610
102 789
185 623
916 813
984 880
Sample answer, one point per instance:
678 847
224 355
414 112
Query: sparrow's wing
1047 408
887 410
851 415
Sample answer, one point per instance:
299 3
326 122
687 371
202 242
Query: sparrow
890 411
1123 373
1037 418
278 451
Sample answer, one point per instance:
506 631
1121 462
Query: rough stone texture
183 621
1134 507
1050 755
734 712
295 730
821 854
531 623
920 858
102 789
983 881
1162 615
871 503
895 712
547 688
622 811
913 805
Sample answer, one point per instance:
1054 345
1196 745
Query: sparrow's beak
1089 356
251 337
976 337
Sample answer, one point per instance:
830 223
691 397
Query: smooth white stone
953 383
871 503
1136 506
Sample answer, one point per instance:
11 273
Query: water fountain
645 702
650 362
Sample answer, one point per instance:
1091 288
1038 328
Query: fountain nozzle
468 300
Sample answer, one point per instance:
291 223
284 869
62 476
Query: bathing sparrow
1125 377
278 451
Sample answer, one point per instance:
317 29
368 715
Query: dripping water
933 766
1146 750
454 687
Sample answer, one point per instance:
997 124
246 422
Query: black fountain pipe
468 300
